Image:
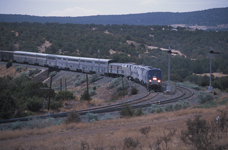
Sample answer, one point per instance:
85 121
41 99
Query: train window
64 58
82 60
89 61
73 60
53 58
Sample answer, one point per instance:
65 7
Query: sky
76 8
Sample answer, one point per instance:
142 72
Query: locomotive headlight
154 78
159 81
150 80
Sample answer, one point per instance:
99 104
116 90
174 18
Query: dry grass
107 133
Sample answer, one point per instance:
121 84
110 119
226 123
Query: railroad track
182 93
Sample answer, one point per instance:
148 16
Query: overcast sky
103 7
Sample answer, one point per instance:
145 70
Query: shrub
197 134
64 95
42 123
156 108
53 73
169 108
204 97
94 78
92 117
16 125
8 64
134 90
127 110
85 96
129 143
33 72
145 131
80 81
177 106
139 112
115 82
18 69
92 93
73 117
34 104
107 116
55 105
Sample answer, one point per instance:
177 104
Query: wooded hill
125 43
210 17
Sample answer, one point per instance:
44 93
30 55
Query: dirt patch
216 74
43 47
7 72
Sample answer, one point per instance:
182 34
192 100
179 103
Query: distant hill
210 17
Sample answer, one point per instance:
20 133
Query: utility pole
98 53
168 88
49 93
61 84
65 85
87 86
123 86
210 88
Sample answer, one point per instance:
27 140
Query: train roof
63 56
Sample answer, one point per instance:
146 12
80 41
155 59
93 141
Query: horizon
83 8
117 14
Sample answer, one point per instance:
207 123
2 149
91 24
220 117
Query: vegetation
131 45
73 117
201 134
64 95
20 94
85 96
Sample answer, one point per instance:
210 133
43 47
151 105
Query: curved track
144 101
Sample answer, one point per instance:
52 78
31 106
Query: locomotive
146 75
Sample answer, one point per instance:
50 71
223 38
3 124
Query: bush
177 106
129 143
80 81
169 108
34 104
127 110
134 90
42 123
52 74
92 117
204 97
156 108
16 125
94 78
9 64
33 72
115 82
55 105
92 93
85 96
197 134
107 117
64 95
139 112
73 117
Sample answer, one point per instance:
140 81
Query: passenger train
146 75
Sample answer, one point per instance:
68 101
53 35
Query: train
146 75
